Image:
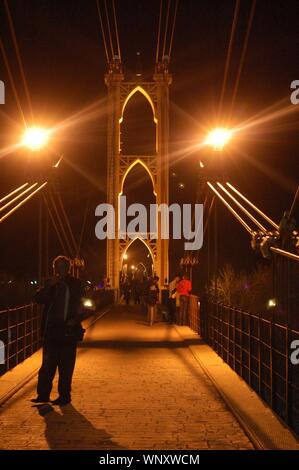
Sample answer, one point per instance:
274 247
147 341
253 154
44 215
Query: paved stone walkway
135 387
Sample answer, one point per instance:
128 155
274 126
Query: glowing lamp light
218 138
132 267
125 256
88 303
271 303
35 138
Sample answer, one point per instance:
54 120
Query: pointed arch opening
138 179
137 260
138 124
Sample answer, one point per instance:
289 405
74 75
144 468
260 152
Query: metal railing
259 350
193 313
20 330
20 334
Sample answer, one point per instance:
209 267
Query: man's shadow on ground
71 430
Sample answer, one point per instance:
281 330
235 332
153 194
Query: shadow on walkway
71 430
143 344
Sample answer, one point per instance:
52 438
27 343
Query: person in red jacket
183 288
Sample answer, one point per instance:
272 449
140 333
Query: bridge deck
135 387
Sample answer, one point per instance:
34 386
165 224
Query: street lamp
35 138
218 138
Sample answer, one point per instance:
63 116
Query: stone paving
134 387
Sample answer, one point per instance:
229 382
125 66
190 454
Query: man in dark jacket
61 329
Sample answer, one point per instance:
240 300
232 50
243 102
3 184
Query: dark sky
64 61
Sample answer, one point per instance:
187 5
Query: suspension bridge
225 379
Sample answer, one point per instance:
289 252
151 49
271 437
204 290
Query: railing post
8 340
287 378
259 355
234 336
271 363
249 350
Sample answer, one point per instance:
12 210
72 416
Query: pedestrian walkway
134 387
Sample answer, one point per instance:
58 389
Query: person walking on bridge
184 288
61 329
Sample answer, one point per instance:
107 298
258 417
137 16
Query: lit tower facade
119 165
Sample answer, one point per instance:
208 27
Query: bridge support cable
284 253
12 82
249 215
83 225
294 203
68 225
270 221
61 225
229 54
103 32
116 30
13 192
272 248
230 208
19 59
110 34
166 28
16 198
40 187
50 212
243 54
159 32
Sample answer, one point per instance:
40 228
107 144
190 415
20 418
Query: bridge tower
119 165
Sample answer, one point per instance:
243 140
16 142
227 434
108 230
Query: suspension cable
116 30
235 214
75 245
61 224
22 202
229 54
287 254
12 83
209 214
271 222
159 32
54 224
103 31
173 28
109 29
21 67
83 225
166 29
13 192
9 203
250 21
258 224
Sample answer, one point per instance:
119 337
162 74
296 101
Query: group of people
61 321
144 290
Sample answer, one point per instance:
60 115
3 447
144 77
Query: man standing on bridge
61 329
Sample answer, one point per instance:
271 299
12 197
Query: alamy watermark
2 92
294 357
187 222
2 352
295 94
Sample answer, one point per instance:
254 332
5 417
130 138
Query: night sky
64 61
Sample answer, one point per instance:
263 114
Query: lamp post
36 138
216 140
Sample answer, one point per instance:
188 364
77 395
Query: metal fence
20 334
259 350
193 313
